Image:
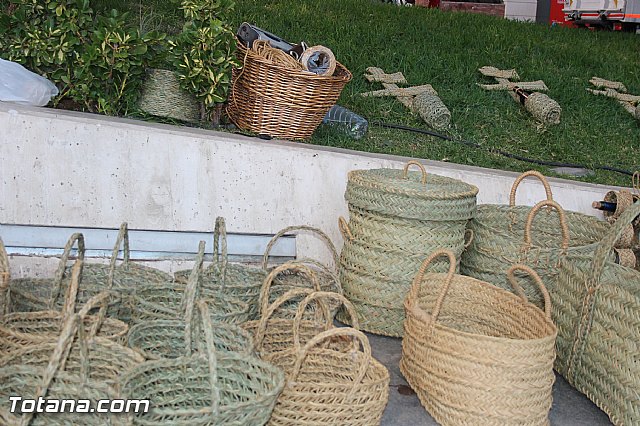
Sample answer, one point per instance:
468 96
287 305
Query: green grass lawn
445 49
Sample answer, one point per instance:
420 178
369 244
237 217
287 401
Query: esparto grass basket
475 353
230 280
271 99
207 388
597 309
503 235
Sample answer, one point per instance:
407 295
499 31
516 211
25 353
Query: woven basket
231 280
505 235
56 376
21 329
397 218
597 310
170 302
271 99
328 386
209 388
477 354
162 96
168 338
327 276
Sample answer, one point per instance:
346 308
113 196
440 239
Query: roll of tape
319 60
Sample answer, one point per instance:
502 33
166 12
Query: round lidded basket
271 99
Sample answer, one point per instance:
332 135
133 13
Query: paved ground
570 407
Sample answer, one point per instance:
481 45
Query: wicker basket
170 302
54 375
211 388
397 218
597 310
329 386
327 276
162 96
505 235
477 354
271 99
231 280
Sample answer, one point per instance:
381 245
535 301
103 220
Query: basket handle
123 239
323 297
212 360
322 267
533 173
536 278
343 226
191 295
405 171
298 228
57 282
417 282
220 256
263 302
564 228
336 332
605 246
635 182
5 275
101 299
263 322
71 294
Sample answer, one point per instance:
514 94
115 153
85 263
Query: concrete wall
73 169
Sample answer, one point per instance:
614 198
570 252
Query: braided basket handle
607 244
101 299
190 296
266 315
322 268
536 278
331 333
71 295
212 360
5 276
564 228
412 296
62 265
519 179
122 239
298 228
405 171
343 226
220 255
263 302
323 297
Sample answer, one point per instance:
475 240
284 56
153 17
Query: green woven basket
162 96
208 388
596 307
506 235
397 218
231 280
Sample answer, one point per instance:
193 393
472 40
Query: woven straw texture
543 108
162 96
326 275
597 310
171 301
56 376
476 354
231 280
209 388
5 276
432 110
397 218
272 99
329 386
501 238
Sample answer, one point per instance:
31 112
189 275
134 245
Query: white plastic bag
19 85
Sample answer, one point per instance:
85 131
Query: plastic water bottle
348 121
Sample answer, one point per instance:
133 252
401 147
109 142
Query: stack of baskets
272 99
397 218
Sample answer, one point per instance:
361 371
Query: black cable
498 151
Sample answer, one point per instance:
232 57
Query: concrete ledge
73 169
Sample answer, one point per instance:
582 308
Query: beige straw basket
271 99
477 354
